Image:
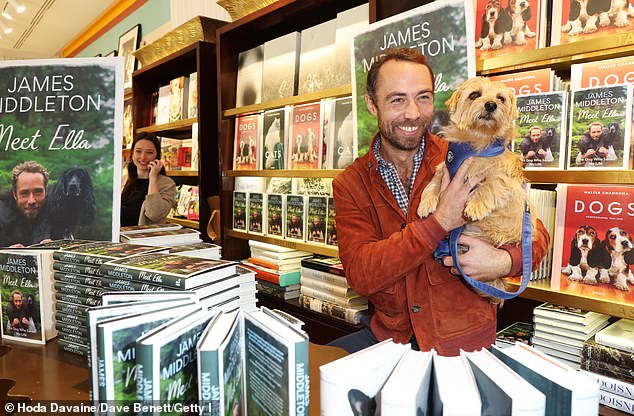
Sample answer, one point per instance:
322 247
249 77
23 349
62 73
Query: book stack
277 268
608 358
391 379
516 332
162 238
560 331
325 290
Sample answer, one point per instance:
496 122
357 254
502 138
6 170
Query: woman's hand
155 167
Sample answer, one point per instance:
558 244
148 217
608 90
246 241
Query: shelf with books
184 222
285 173
590 177
173 129
182 173
559 56
297 245
297 99
540 290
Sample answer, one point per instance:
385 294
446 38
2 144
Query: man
16 313
317 229
22 221
531 147
591 149
386 249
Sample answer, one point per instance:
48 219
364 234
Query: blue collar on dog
458 152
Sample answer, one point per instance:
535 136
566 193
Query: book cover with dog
61 124
599 132
247 142
580 20
536 81
602 73
442 30
306 138
516 28
593 252
541 130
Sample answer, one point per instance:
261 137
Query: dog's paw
566 28
604 20
476 211
427 206
567 270
590 28
590 280
575 277
479 43
530 34
604 277
621 283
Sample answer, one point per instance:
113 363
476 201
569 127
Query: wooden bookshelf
289 243
184 222
308 173
182 173
576 176
171 129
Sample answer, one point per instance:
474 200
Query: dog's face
518 6
492 10
548 138
485 109
585 237
75 181
618 240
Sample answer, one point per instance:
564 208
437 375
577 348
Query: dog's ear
598 6
600 256
527 14
484 30
453 101
514 113
575 10
504 22
575 253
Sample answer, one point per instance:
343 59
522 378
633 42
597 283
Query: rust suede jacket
388 258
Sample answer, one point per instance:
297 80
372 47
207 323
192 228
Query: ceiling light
19 7
6 29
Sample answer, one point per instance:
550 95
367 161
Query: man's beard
389 132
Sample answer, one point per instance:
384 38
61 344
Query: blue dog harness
457 154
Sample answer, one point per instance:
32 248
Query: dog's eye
612 237
502 99
592 233
474 95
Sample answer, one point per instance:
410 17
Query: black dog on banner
70 202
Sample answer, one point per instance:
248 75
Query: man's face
30 193
536 134
294 219
17 301
404 103
595 132
316 220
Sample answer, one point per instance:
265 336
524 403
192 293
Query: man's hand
17 245
482 262
15 323
454 194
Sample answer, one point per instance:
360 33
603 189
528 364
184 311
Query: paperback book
247 142
591 251
541 130
275 123
305 136
599 132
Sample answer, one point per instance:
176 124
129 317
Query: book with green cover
100 252
220 365
167 362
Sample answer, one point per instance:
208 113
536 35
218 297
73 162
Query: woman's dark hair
131 167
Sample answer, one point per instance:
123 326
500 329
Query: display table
45 373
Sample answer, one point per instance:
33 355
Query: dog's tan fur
496 207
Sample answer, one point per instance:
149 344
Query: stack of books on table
608 358
166 234
325 290
84 272
172 351
393 380
276 268
518 331
560 331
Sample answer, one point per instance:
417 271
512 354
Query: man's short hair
534 128
15 292
400 54
31 167
594 123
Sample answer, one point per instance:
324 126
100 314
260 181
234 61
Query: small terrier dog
484 112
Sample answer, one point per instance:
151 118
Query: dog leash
456 154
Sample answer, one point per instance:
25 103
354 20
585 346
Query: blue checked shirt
390 175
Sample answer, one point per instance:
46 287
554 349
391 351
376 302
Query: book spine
314 265
75 268
79 258
144 276
615 401
324 276
70 318
278 279
71 308
76 339
598 352
338 300
612 385
301 379
72 347
328 288
77 279
79 330
78 299
610 370
130 285
352 316
209 384
80 290
614 341
144 374
101 390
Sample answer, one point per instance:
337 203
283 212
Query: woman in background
147 194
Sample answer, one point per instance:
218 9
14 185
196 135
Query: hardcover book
590 22
518 331
163 237
178 98
348 23
453 387
274 124
256 209
275 215
317 58
134 229
568 314
599 132
541 130
247 142
199 249
169 153
280 69
341 147
296 217
350 315
192 96
316 218
331 230
249 82
592 350
613 385
442 30
406 391
239 211
102 251
65 117
602 73
305 136
163 105
591 244
536 81
619 334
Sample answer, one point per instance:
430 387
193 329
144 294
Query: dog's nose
625 244
584 241
490 106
